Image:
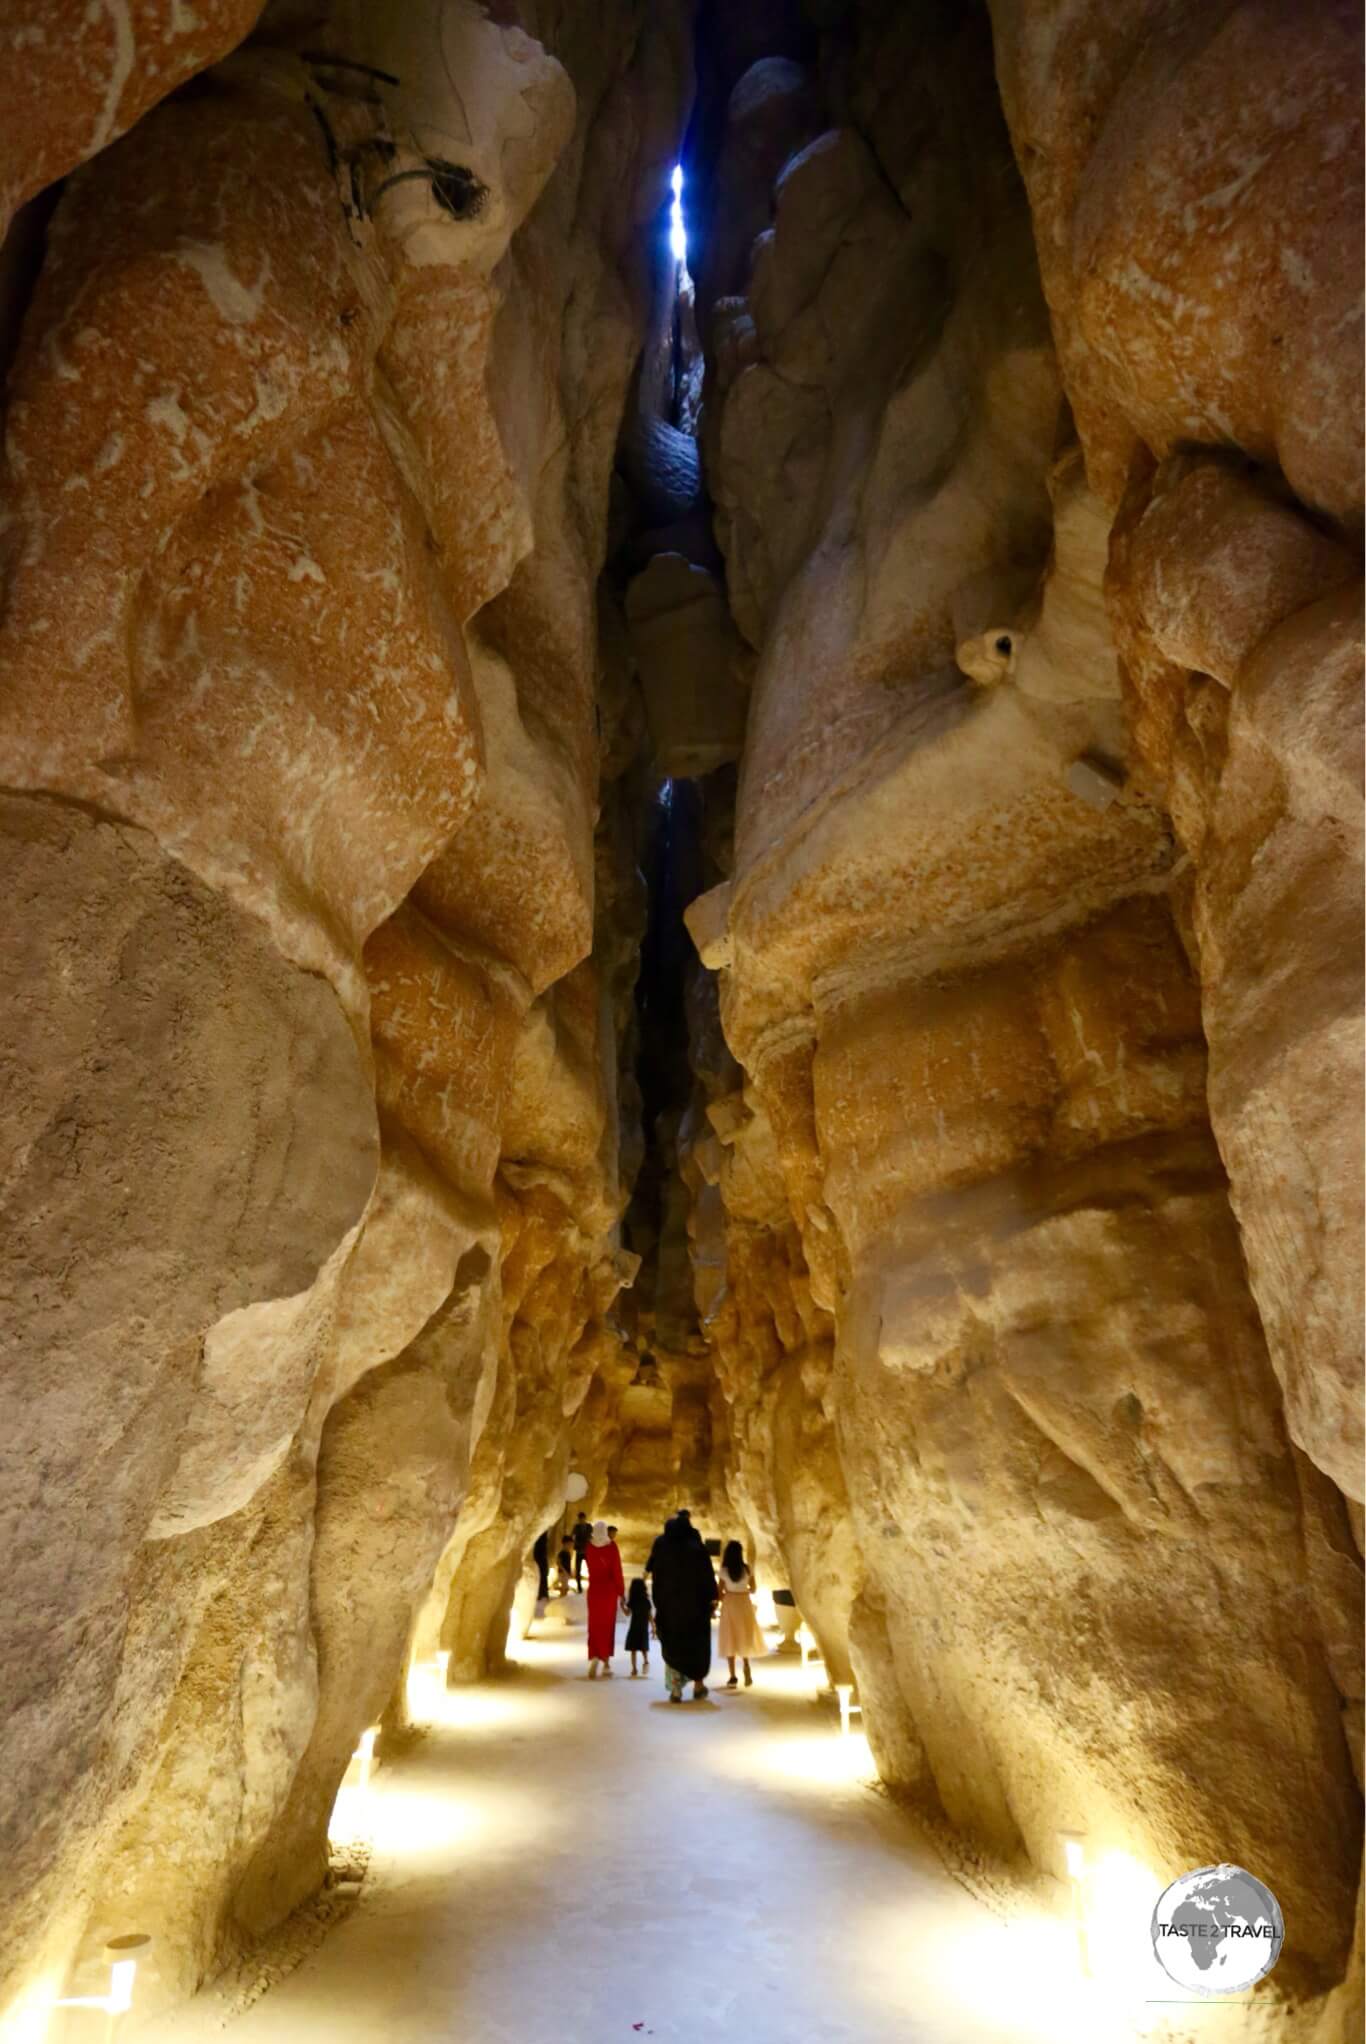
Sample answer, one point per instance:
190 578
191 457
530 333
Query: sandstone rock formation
1217 302
966 1207
314 1181
76 78
972 1231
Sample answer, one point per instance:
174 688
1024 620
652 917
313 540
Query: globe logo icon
1217 1930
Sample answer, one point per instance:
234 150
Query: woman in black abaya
685 1591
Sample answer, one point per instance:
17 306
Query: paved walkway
566 1862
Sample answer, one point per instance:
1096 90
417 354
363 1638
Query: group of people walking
686 1593
569 1559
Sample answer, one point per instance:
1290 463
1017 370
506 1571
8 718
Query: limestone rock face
312 1132
773 111
189 1134
392 1469
1047 735
1192 181
394 642
1205 293
75 78
1261 749
1060 1365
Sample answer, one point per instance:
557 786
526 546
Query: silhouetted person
540 1554
681 1517
685 1591
581 1535
638 1631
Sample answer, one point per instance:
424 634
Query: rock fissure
719 853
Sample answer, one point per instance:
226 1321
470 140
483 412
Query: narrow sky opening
678 234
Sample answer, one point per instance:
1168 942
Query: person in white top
738 1637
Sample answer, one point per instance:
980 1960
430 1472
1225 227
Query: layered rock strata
313 1187
981 1238
1023 1237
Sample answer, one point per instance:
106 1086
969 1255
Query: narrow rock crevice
651 871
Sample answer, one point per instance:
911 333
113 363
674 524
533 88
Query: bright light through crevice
678 233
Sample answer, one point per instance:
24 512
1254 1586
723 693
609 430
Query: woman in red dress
606 1596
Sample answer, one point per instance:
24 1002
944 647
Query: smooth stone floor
566 1862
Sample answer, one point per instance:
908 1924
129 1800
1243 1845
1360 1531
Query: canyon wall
387 600
1029 1232
312 1195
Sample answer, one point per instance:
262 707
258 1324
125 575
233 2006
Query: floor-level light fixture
123 1954
845 1692
443 1665
365 1754
1074 1858
811 1656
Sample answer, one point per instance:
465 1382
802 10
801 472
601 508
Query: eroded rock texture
1205 290
1028 1232
313 1190
415 595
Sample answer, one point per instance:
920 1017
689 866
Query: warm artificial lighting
347 1823
1017 1974
845 1692
765 1609
352 1814
806 1764
811 1657
26 2021
1013 1977
1074 1854
123 1954
1121 1894
123 1972
426 1686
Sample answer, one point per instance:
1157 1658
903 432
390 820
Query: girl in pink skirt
738 1635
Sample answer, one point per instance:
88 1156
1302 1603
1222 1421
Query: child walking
738 1637
638 1631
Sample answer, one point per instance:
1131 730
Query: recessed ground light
1074 1858
123 1954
